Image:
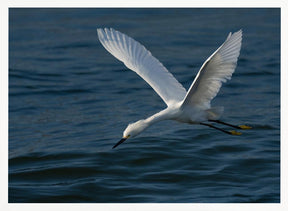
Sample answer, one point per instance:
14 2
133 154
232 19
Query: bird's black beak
120 142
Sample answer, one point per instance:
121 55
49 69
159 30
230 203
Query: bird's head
132 130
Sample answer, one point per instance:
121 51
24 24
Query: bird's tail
215 113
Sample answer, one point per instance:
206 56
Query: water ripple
69 102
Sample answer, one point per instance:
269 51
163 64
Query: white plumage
189 107
137 58
218 68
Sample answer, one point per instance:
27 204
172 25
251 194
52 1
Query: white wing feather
218 68
137 58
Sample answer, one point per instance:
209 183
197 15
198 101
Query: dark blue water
70 100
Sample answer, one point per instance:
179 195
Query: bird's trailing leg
231 132
243 127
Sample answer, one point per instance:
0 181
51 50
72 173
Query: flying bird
192 106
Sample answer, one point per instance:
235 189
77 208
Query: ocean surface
70 101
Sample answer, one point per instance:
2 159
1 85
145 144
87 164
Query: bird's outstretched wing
137 58
218 68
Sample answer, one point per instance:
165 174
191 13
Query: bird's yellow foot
245 127
236 133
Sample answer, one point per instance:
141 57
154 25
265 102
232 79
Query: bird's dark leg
243 127
232 132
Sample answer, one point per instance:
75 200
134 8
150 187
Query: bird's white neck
162 115
139 126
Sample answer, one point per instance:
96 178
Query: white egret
191 107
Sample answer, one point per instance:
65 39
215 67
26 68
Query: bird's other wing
137 58
218 68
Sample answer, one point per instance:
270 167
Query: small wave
74 45
256 73
49 59
265 126
35 76
51 92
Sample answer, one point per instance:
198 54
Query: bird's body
191 107
190 115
